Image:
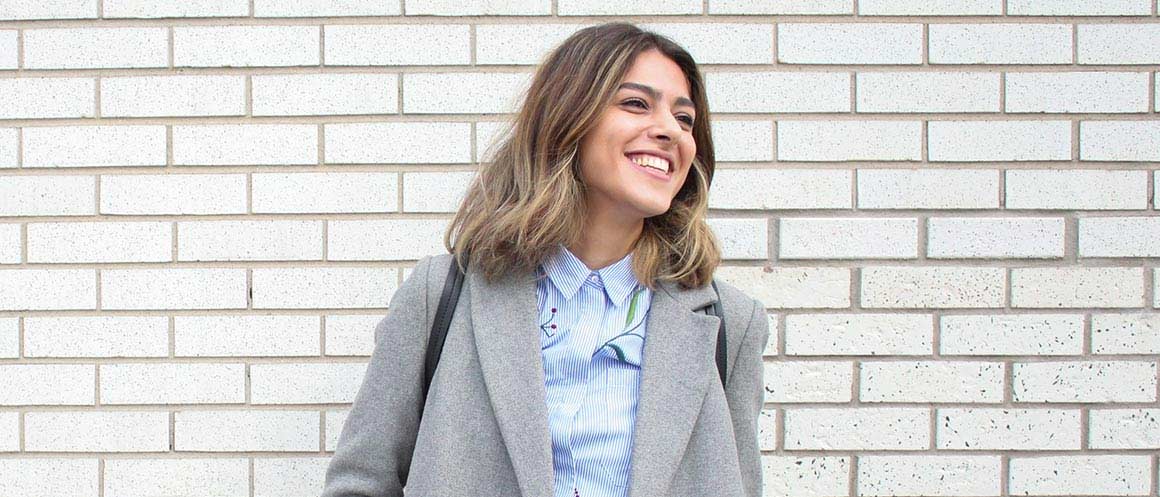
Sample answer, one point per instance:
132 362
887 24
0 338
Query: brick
96 431
287 476
46 98
47 289
489 135
928 189
9 147
857 428
792 287
160 194
334 421
1011 334
478 7
1084 381
10 244
1126 333
928 475
325 8
323 287
249 240
1074 92
849 238
245 46
9 432
1119 237
96 146
858 334
435 191
8 49
778 92
93 48
1007 429
822 7
806 476
49 9
47 195
781 189
398 143
743 141
1000 43
1119 140
721 43
173 288
325 94
99 242
967 141
398 45
96 336
1079 8
9 338
1124 429
742 238
245 336
935 8
767 429
988 237
245 144
177 477
351 334
519 44
392 240
1077 287
1133 43
1076 189
814 381
931 381
285 193
154 96
1081 474
849 140
163 8
44 477
927 92
463 93
48 384
620 8
849 43
157 383
245 431
305 383
932 287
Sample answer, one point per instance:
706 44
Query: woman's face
637 157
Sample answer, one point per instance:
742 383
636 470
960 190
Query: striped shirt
592 338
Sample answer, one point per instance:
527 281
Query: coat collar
677 366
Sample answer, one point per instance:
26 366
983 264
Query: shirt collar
567 273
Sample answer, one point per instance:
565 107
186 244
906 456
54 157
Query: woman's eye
686 120
636 102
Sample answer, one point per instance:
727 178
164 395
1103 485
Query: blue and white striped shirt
592 339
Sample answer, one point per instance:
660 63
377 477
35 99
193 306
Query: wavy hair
528 198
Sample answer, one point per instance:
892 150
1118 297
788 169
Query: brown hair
529 198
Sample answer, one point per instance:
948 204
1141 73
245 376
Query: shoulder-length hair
528 199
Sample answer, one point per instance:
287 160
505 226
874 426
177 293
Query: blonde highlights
528 198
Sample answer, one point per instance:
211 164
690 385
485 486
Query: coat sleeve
745 392
374 450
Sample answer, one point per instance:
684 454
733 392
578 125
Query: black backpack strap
722 351
447 301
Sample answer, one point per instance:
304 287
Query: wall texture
949 207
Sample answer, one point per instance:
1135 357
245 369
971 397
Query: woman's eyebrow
656 94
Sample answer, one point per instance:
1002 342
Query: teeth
651 161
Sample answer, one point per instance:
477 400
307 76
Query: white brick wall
948 207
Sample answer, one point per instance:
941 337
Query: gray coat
484 428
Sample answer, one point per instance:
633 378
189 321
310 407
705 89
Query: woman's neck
605 241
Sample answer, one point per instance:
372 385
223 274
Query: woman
556 379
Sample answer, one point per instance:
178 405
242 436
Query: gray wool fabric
484 428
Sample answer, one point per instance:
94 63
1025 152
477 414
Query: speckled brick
96 336
1076 189
629 7
463 93
435 191
288 476
48 384
833 141
400 44
1077 287
781 189
1133 43
1084 381
160 383
858 334
145 194
174 288
932 287
253 336
100 242
323 287
325 193
1079 7
1011 334
75 477
928 189
931 381
792 287
927 91
781 92
1074 92
813 381
245 431
394 239
926 475
992 237
270 240
334 423
857 428
849 43
741 238
351 334
820 7
808 476
96 431
95 48
847 238
9 338
742 141
398 142
719 42
1126 333
989 141
1007 429
930 8
766 429
1137 236
220 477
245 46
520 43
245 144
10 244
94 146
302 383
1130 141
1000 43
1081 474
10 432
1124 429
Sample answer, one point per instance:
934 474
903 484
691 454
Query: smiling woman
577 363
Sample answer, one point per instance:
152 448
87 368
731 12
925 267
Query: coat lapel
506 338
675 376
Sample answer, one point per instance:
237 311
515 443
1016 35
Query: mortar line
20 337
20 434
20 148
249 193
23 243
1074 44
250 9
172 431
1003 92
400 197
97 98
472 44
325 240
168 146
172 332
322 431
251 461
926 44
771 239
322 335
100 477
320 144
174 245
19 51
100 9
1075 136
322 45
1004 459
169 48
249 96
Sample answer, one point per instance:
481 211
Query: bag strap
453 286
